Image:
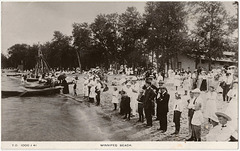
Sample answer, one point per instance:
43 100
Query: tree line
164 30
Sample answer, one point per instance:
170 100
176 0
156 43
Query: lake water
51 118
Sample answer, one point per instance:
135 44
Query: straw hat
161 82
221 114
212 86
128 84
235 81
214 118
134 78
197 90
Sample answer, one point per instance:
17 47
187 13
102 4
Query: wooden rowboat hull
42 92
10 93
32 79
13 75
38 87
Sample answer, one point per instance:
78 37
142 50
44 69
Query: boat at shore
32 79
14 75
28 93
10 93
38 87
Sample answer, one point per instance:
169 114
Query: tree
167 31
18 55
61 53
130 28
82 42
106 40
212 30
4 61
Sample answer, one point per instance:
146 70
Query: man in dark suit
150 79
148 103
158 93
162 100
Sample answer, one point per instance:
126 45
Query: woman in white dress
85 87
92 93
211 107
232 108
186 83
177 81
115 98
134 102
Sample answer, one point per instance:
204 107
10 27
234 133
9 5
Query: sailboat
40 68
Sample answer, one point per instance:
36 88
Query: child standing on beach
140 106
178 108
115 98
197 121
125 101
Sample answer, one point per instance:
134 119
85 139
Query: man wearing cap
221 132
191 106
148 102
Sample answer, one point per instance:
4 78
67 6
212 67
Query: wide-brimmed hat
128 83
164 88
221 114
134 78
161 82
177 94
197 90
214 118
122 92
212 86
235 81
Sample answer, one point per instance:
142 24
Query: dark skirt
176 116
125 104
140 108
203 85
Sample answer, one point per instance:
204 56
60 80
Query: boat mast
79 63
41 66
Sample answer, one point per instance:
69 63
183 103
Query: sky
33 22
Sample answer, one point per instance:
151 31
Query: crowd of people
147 96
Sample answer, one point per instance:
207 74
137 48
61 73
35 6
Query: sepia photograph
119 75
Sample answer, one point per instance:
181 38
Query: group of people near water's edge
147 96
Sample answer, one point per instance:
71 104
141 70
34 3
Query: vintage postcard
119 75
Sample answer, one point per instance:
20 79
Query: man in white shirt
192 106
221 132
196 122
178 108
190 110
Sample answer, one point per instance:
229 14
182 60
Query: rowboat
14 75
10 93
32 79
42 92
38 87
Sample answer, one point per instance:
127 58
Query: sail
41 66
